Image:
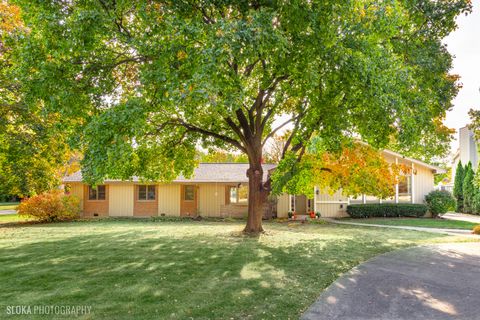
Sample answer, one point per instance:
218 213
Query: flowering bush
51 206
476 229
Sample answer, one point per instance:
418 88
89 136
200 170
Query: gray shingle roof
205 172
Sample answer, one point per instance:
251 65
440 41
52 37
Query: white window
237 194
405 189
146 192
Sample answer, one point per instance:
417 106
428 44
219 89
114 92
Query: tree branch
193 128
272 133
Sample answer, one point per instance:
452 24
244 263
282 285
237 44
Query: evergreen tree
476 195
468 189
458 186
476 201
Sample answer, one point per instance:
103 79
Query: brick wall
145 208
91 207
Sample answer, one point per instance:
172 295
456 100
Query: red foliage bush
51 206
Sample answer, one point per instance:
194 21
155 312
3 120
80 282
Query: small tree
468 189
458 186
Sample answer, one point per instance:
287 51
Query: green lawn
8 218
418 222
141 269
8 205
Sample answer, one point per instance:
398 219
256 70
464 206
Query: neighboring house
467 150
221 189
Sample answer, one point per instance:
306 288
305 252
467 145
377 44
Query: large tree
149 81
32 152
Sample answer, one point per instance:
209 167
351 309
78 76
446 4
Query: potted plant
294 215
312 214
318 214
290 214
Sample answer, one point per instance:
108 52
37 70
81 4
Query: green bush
386 210
50 206
440 201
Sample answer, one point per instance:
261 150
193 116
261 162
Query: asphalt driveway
430 282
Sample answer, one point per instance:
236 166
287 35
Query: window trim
147 187
228 192
96 193
185 193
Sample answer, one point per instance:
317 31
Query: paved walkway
461 217
7 211
454 232
430 282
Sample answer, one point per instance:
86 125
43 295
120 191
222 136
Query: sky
464 45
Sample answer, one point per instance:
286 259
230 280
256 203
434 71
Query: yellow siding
77 190
211 197
120 200
332 210
283 205
423 183
324 196
169 199
331 205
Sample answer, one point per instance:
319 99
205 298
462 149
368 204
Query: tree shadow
145 271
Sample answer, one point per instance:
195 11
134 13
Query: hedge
386 210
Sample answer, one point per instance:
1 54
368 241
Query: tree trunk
256 197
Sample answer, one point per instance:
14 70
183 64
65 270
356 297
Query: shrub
51 206
440 201
386 210
476 229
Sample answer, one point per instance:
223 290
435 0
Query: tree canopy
146 82
32 150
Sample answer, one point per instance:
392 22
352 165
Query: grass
418 222
142 269
8 205
8 218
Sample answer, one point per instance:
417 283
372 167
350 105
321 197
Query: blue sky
464 44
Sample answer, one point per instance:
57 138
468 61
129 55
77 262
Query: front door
301 204
188 204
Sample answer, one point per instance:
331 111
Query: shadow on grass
125 272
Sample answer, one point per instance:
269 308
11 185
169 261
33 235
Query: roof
435 169
236 172
205 172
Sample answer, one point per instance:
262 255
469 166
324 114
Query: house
221 190
467 150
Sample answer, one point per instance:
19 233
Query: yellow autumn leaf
181 55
